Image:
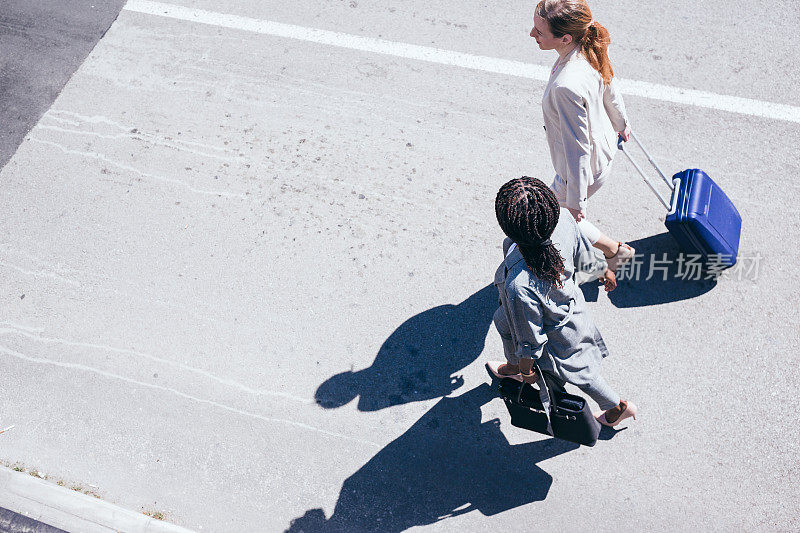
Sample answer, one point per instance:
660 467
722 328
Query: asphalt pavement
247 278
43 44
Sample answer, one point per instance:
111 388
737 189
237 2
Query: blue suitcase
701 217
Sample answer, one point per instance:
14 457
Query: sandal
494 368
630 410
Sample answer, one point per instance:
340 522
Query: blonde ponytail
595 49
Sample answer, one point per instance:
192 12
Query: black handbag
570 416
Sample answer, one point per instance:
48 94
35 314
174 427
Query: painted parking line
664 93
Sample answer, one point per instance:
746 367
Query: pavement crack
29 333
84 368
145 138
40 272
101 157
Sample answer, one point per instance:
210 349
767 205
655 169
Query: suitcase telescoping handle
671 184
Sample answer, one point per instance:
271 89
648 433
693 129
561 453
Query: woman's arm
585 254
575 139
526 319
615 107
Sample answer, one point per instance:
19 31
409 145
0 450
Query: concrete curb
70 510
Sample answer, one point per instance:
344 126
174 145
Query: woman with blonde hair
583 112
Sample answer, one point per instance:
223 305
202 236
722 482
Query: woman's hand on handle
577 214
626 133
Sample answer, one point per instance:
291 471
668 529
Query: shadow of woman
448 463
659 274
418 360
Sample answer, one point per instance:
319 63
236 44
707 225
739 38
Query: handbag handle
522 386
539 381
546 397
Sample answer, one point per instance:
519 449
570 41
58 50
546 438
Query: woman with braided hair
543 317
583 112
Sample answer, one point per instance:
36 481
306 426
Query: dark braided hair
528 211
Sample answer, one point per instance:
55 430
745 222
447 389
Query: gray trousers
598 389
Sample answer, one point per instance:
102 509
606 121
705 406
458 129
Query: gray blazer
549 324
582 116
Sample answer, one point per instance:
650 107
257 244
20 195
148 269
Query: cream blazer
582 116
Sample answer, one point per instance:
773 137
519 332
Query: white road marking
664 93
